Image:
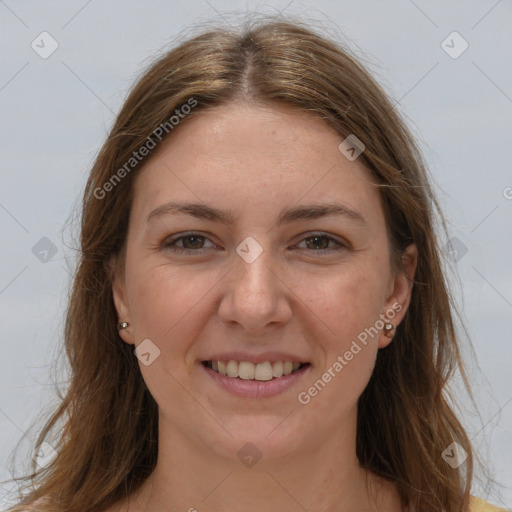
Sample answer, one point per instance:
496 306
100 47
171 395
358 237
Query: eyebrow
227 217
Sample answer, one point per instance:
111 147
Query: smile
246 370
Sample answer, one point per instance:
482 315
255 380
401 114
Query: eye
319 243
191 242
194 243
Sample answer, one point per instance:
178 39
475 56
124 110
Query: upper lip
255 358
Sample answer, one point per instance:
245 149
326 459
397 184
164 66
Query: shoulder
480 505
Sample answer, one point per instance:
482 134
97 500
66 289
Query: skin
257 161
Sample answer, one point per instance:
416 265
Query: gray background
56 112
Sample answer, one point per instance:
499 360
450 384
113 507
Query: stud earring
122 325
389 330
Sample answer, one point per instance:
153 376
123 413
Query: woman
259 320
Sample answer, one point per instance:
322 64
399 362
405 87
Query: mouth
247 370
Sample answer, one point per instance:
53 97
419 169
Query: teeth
277 369
246 370
263 371
232 369
249 371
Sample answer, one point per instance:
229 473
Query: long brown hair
107 444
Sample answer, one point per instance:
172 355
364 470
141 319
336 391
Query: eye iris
317 238
193 245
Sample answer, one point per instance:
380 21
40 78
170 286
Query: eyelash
168 244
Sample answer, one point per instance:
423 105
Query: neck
324 477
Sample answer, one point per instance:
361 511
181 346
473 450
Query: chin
261 439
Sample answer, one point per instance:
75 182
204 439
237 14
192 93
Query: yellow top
480 505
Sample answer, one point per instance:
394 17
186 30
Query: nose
255 296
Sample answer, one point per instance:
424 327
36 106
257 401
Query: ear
400 291
120 300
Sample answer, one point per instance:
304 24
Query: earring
389 330
122 325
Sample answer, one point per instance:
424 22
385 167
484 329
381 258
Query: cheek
171 306
350 306
168 304
349 303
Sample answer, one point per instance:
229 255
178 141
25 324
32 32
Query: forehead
262 157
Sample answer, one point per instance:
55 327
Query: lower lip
257 388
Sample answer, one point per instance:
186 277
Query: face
282 265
